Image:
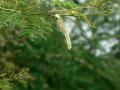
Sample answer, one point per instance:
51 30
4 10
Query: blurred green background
39 64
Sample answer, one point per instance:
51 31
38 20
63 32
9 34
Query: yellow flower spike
63 30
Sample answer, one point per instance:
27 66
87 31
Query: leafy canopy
31 17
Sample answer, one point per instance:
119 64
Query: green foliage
21 14
28 62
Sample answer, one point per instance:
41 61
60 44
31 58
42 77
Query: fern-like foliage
20 14
9 74
33 21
